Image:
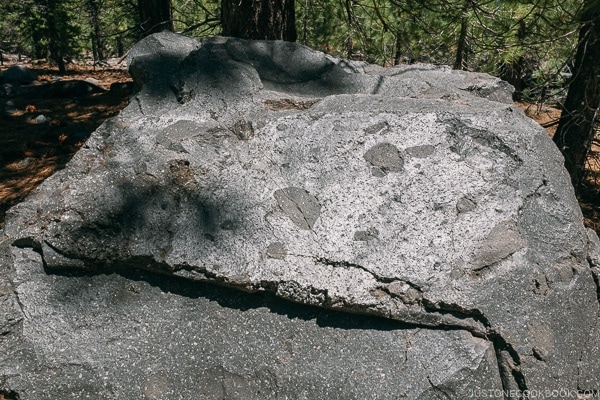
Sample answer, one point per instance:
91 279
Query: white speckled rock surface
416 193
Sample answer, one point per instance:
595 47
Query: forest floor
30 152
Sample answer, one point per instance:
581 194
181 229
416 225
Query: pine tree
259 19
579 119
155 16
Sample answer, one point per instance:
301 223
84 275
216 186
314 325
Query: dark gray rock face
73 88
428 220
19 75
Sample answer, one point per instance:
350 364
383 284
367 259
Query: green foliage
119 22
39 27
197 17
512 39
508 38
517 38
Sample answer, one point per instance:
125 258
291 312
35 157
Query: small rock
423 151
93 81
41 119
10 108
465 204
9 90
26 162
364 236
301 207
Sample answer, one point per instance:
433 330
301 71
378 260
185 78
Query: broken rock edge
444 316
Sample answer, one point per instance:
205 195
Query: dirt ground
30 151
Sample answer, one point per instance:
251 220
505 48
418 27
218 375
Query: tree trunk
97 40
56 34
398 52
259 19
513 72
349 42
39 50
576 128
120 47
155 16
461 50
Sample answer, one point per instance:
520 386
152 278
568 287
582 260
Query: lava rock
423 228
41 119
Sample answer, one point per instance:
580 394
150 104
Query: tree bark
97 39
578 120
155 16
55 20
259 19
513 72
349 42
461 50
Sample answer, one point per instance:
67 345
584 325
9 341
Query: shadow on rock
136 224
239 300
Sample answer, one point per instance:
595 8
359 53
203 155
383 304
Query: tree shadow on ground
40 133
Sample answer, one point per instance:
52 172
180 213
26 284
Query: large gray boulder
430 222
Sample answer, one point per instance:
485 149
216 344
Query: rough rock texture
417 194
19 75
